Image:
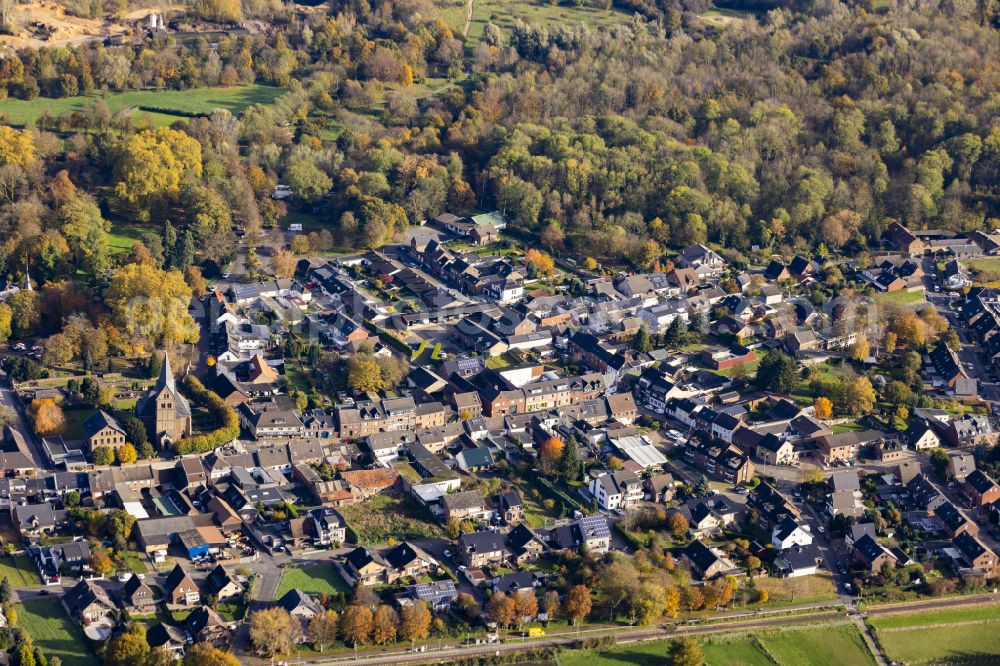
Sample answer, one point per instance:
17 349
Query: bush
226 415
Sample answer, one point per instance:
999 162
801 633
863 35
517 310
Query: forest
797 129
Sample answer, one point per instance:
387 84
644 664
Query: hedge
225 414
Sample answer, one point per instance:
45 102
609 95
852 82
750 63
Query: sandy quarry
67 29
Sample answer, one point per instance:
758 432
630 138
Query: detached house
479 549
180 589
616 490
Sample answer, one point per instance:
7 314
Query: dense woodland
799 128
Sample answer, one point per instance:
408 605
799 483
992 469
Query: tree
753 563
135 431
762 596
72 499
642 342
17 147
569 462
860 396
104 455
4 591
25 313
273 631
196 280
284 263
307 181
678 524
152 164
776 372
618 580
6 318
415 621
542 264
364 374
153 365
550 452
322 630
525 606
127 454
356 624
577 603
47 416
151 306
890 342
206 654
823 407
675 332
685 652
128 648
26 657
100 562
550 603
860 351
384 624
501 611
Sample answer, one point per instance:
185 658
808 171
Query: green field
317 579
953 636
504 13
945 644
123 235
829 646
169 105
834 646
52 630
944 616
991 264
746 651
19 571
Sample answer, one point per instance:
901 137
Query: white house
790 533
616 490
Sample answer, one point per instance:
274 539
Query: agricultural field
833 646
161 107
827 646
381 517
318 579
46 622
954 636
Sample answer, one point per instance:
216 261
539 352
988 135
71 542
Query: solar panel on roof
596 526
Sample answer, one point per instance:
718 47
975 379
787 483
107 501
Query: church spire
166 379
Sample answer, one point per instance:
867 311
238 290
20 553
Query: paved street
10 401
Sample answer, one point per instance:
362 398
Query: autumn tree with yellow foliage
150 307
153 164
47 416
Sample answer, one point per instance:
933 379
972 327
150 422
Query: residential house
180 589
524 545
137 597
872 555
88 602
102 429
616 490
221 585
478 549
509 507
981 489
660 488
205 625
789 532
368 567
465 505
975 554
706 563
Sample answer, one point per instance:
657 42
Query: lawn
384 516
317 579
52 630
828 646
850 426
800 589
901 297
977 643
124 235
161 106
74 422
20 571
991 264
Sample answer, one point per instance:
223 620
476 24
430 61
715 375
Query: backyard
20 571
51 629
377 519
316 579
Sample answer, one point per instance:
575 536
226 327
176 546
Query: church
166 413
